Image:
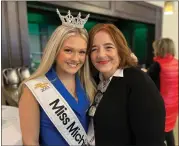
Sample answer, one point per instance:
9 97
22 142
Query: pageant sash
58 110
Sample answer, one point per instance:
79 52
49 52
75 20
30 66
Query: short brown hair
119 40
164 46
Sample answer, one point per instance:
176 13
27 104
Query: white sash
58 110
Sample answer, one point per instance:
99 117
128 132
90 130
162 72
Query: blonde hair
51 51
118 38
163 46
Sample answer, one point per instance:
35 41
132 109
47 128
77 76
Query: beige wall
170 23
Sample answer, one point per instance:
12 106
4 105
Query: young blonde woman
164 72
56 97
128 109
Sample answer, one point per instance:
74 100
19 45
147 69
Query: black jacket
131 112
154 73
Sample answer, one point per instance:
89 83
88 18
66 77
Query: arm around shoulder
29 118
146 111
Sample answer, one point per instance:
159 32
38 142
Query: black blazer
131 112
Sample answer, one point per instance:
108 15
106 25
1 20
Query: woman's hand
144 69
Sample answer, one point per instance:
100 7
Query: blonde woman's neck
68 81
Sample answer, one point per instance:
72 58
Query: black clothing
131 112
170 138
154 73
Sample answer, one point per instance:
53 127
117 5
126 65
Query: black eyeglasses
94 106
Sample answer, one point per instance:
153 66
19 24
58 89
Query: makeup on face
104 54
72 54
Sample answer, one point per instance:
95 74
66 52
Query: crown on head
69 20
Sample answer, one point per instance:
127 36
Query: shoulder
27 100
141 85
132 77
135 76
37 79
133 72
27 96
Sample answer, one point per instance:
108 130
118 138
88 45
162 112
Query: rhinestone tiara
69 20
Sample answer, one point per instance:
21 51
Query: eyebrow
108 44
104 44
74 48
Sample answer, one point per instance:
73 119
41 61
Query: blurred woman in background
164 72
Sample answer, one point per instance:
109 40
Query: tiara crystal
69 20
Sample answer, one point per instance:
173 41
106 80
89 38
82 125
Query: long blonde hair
51 51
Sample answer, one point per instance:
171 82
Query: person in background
164 72
127 109
56 97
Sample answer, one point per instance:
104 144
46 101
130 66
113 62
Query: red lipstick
103 62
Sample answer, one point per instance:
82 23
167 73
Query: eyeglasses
94 106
